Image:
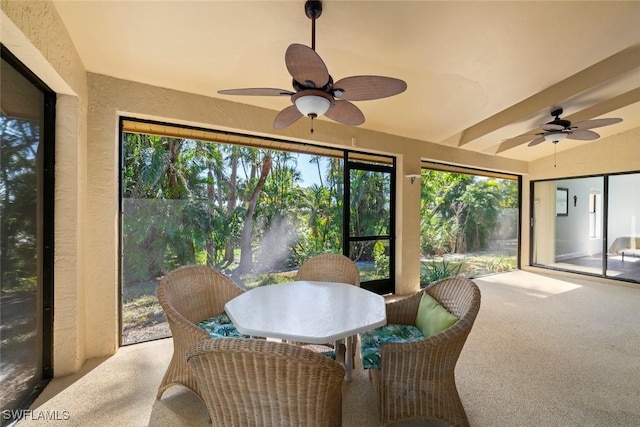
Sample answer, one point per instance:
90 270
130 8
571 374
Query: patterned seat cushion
371 341
322 349
220 326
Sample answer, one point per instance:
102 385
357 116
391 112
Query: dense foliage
241 209
18 203
462 213
249 211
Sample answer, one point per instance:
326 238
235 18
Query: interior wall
572 231
33 32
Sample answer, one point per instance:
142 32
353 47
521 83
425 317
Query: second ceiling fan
314 91
558 129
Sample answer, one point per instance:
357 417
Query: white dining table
308 311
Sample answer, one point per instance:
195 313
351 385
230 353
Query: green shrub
381 259
433 271
497 265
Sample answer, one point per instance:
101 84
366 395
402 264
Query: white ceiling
477 72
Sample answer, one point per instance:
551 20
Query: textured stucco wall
32 31
617 153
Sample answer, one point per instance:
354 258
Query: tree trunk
172 171
210 243
246 253
231 204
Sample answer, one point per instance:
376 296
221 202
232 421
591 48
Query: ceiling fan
559 129
314 91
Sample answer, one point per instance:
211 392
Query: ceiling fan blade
551 127
362 88
583 135
536 141
286 117
257 91
590 124
305 66
346 113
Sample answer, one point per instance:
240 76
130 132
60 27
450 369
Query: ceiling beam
607 69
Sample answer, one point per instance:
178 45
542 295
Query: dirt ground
157 328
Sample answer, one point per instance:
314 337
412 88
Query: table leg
348 361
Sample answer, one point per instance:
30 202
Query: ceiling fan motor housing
298 86
560 122
313 9
556 112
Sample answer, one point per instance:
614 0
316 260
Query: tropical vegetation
257 214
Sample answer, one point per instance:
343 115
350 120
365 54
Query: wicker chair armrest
457 332
412 359
419 345
185 326
404 311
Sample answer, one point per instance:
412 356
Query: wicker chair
416 379
189 295
331 268
250 382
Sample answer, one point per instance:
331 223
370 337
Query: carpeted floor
544 351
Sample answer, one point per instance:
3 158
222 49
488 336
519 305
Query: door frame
380 286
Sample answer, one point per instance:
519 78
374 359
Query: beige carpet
544 351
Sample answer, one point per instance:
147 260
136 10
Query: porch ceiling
477 72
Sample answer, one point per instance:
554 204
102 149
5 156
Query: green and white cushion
371 341
220 326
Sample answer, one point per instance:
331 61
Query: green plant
496 265
381 259
433 271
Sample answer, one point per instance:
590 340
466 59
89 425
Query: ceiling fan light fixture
315 93
556 136
312 105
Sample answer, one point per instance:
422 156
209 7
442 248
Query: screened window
254 208
469 222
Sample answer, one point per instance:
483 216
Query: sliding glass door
623 227
26 235
588 225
